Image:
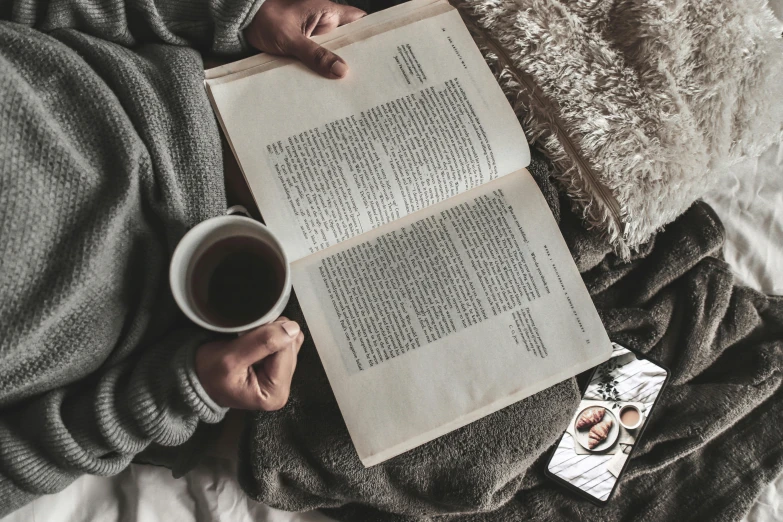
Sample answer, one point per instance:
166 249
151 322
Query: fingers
323 24
254 371
350 14
317 58
336 16
275 373
269 377
274 376
266 340
284 26
299 338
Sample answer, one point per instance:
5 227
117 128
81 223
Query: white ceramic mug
202 237
639 420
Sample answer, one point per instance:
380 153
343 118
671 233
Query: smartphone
598 443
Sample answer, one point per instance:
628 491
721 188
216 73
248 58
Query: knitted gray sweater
108 154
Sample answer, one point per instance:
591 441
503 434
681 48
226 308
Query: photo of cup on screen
599 439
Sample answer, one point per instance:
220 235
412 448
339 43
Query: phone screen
608 423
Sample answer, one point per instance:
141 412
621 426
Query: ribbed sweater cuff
251 13
194 393
231 20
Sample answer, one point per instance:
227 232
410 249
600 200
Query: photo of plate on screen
598 442
596 428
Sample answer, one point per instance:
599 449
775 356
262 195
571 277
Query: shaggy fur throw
640 103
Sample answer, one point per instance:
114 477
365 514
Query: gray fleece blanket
595 87
712 443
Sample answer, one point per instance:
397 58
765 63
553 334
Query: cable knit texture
108 155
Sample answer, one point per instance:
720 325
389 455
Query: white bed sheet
749 201
150 494
756 252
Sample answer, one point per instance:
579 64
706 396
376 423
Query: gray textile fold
713 441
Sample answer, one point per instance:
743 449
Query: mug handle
238 209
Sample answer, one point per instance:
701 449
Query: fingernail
339 69
291 328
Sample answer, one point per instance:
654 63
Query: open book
433 277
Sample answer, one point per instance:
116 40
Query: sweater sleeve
108 157
213 26
98 426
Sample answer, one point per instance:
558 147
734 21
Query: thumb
317 58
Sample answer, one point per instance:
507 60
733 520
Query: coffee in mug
230 274
236 280
630 416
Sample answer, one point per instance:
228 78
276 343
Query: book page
419 119
448 314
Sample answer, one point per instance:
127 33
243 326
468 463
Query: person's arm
220 27
96 426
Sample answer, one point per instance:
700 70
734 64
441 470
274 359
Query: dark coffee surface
236 281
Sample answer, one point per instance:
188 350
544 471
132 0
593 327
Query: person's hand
284 27
254 371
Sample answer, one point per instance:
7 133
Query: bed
752 212
749 200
